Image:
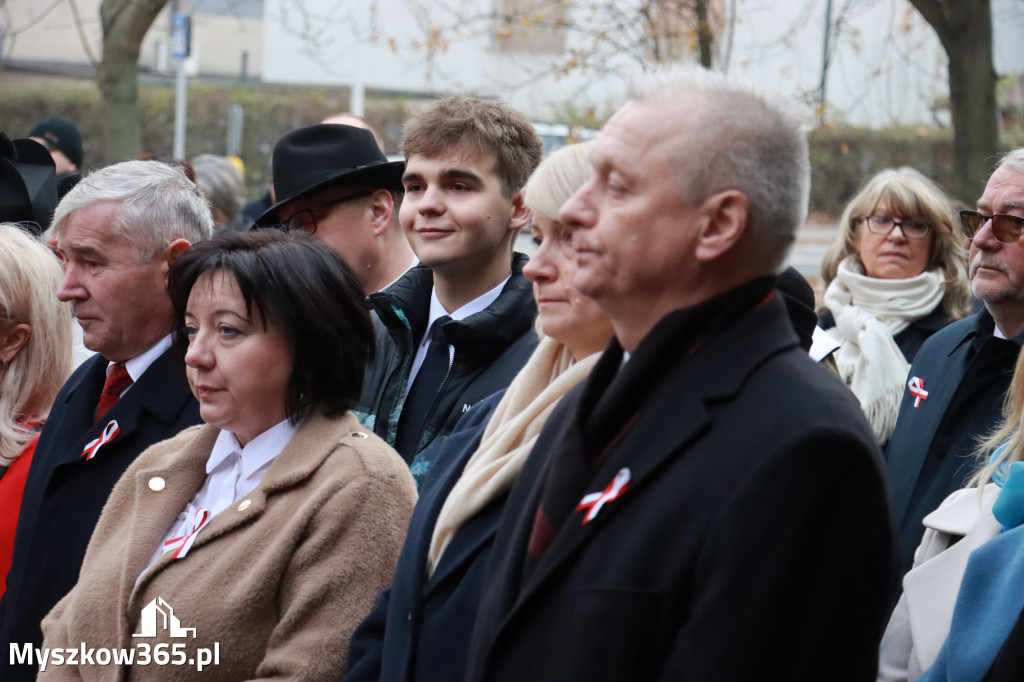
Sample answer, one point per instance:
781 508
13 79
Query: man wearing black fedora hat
28 184
459 326
334 181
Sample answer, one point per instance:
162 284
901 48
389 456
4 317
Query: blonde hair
29 278
911 195
557 178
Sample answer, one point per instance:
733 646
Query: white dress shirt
232 472
138 365
437 310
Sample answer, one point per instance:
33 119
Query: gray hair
1014 159
29 278
557 178
159 204
222 183
741 139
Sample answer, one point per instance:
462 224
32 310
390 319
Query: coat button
157 484
358 434
244 504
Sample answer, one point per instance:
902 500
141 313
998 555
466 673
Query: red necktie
117 381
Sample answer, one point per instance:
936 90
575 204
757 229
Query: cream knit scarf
510 435
868 312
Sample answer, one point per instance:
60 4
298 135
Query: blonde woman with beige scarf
422 624
895 275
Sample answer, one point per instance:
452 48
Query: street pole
825 61
181 43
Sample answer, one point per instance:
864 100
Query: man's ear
520 214
172 251
12 340
724 221
382 205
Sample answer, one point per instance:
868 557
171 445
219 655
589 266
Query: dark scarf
615 395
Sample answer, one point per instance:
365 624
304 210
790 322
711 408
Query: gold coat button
157 484
244 504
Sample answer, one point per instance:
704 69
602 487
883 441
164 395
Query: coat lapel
185 474
80 406
660 435
931 589
476 533
160 392
182 473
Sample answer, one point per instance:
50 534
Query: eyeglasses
1005 228
305 219
883 225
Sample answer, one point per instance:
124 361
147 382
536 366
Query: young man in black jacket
459 326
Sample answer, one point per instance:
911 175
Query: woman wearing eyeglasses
895 275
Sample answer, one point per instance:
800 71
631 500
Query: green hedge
268 114
841 158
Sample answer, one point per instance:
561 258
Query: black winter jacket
490 349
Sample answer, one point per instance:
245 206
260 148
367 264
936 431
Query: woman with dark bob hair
254 543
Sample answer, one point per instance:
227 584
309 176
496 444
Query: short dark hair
302 285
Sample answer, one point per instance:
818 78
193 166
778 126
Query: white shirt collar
257 452
138 365
478 304
997 332
822 344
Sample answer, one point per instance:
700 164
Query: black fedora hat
311 158
28 183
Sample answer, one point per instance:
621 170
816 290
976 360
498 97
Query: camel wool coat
276 583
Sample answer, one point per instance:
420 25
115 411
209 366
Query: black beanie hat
60 133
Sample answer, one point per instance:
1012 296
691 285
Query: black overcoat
965 371
754 540
420 627
65 493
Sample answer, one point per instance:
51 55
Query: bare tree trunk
125 23
705 37
964 28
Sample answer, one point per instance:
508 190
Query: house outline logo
158 615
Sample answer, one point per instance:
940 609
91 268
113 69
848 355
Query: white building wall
47 32
886 67
376 43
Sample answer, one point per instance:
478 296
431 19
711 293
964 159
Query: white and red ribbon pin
916 386
109 432
196 520
594 501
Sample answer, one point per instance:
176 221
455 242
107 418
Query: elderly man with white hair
955 387
710 503
117 232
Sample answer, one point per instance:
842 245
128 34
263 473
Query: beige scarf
510 435
869 312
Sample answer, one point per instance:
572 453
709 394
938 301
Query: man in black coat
956 385
118 232
710 504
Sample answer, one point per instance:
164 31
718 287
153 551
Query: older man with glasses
334 182
956 384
